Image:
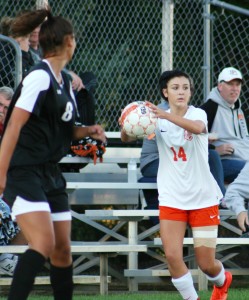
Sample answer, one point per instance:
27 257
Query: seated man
226 119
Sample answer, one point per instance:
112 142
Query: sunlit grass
238 294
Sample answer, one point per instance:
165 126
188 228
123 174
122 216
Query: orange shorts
207 216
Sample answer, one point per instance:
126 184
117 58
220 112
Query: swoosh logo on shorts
211 217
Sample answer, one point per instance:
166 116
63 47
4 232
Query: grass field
234 294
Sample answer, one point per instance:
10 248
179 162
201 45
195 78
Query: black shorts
38 183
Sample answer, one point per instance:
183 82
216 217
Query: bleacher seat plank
45 280
103 250
220 241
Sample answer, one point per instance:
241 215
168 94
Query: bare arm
94 131
77 83
18 118
193 126
126 138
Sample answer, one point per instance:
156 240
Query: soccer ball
137 120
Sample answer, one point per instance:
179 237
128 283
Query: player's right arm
33 84
125 138
17 120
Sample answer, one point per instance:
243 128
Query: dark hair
53 32
168 75
5 24
26 21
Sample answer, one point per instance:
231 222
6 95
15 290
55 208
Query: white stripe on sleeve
33 84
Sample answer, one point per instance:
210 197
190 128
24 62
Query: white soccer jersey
184 178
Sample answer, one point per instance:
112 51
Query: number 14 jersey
184 178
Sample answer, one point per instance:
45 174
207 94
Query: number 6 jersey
184 178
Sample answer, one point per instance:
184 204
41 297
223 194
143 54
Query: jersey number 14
180 155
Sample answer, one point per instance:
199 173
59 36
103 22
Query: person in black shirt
18 28
38 131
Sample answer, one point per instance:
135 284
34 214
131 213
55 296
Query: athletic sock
219 279
185 286
29 264
62 282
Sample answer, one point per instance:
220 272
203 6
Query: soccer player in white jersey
39 128
188 193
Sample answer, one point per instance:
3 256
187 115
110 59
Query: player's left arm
94 131
193 126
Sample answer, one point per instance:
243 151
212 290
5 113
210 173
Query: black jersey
47 135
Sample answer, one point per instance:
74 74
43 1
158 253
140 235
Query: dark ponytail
26 21
53 32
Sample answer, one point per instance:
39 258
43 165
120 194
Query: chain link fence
230 42
10 68
121 42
